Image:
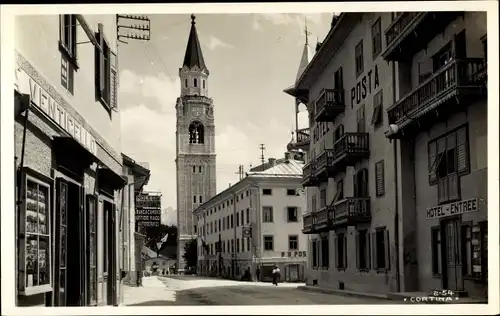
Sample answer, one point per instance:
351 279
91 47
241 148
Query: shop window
293 242
106 75
35 255
67 41
436 250
196 133
248 215
292 214
341 251
363 250
379 178
360 119
378 113
267 191
380 243
474 246
267 214
376 38
448 160
325 253
358 58
268 243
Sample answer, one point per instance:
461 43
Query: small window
242 195
359 61
220 225
194 198
247 193
186 83
194 228
200 199
237 245
194 169
293 242
67 41
378 115
248 215
267 191
379 178
315 254
237 198
203 83
200 169
436 250
267 214
341 251
195 82
232 221
291 192
360 119
376 38
325 253
292 215
363 250
268 243
381 249
237 219
242 217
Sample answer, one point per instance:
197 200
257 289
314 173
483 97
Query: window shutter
102 71
462 152
374 250
97 50
345 251
387 245
432 161
113 82
336 247
286 214
379 171
358 263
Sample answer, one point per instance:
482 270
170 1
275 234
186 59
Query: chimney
287 155
272 161
229 185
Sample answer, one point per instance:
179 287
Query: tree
191 253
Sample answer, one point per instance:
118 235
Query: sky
251 59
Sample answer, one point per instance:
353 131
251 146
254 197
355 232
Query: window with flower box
35 242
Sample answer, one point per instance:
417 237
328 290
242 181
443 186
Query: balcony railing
461 77
352 210
303 135
350 148
308 174
324 162
308 223
331 102
324 218
410 32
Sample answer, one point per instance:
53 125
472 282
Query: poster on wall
148 209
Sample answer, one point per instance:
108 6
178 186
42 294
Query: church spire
306 53
194 56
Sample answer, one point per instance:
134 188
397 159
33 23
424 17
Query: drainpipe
396 188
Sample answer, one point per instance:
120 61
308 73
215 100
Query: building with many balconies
255 223
402 197
439 121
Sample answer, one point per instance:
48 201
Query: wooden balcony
309 175
451 87
308 221
351 211
347 151
331 102
303 138
324 219
324 165
410 32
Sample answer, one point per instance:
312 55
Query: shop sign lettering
450 209
365 86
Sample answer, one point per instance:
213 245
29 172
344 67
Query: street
194 290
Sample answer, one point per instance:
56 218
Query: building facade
439 123
67 160
131 261
195 138
255 223
386 92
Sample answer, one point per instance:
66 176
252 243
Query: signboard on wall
455 208
148 209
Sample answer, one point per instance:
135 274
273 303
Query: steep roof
281 168
194 55
307 55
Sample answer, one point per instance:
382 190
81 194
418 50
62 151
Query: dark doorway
452 272
69 245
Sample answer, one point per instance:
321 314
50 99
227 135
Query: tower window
186 83
194 198
194 169
195 82
196 133
203 83
201 199
200 169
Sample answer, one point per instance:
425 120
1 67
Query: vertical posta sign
148 209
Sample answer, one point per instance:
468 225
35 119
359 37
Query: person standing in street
257 274
276 275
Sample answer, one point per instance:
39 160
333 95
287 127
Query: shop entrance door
452 272
105 239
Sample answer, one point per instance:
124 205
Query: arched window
195 82
186 83
203 83
196 133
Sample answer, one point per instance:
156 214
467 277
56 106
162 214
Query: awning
110 179
69 151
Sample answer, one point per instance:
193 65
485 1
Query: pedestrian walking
276 275
257 274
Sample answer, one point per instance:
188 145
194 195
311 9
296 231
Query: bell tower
195 143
